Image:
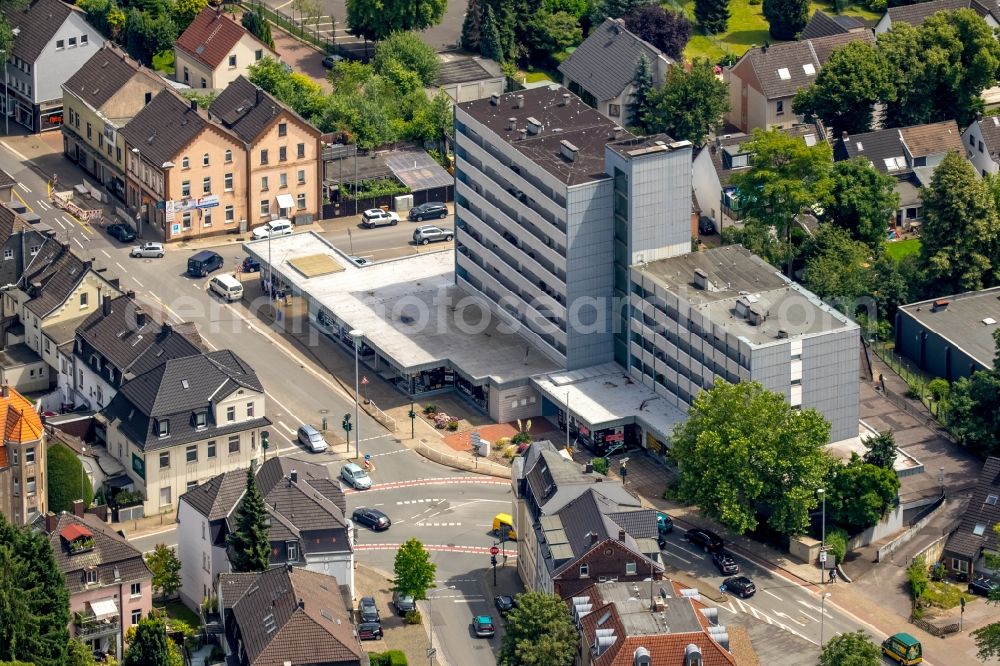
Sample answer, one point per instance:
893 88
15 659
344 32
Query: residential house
640 624
307 527
110 586
822 24
916 14
116 343
910 154
602 69
183 422
763 82
215 50
184 170
720 159
99 99
18 239
966 549
52 40
464 78
982 144
288 616
23 459
283 154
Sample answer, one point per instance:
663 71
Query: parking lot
387 242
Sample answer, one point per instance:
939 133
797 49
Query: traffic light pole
265 442
413 420
347 426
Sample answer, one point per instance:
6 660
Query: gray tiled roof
715 149
822 24
825 46
234 585
291 614
247 110
880 145
605 63
217 497
165 126
37 23
980 516
57 272
916 14
461 70
105 74
989 128
6 180
555 481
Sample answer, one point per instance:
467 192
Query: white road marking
77 241
16 154
118 264
673 554
418 501
423 524
158 532
387 453
143 287
59 222
772 594
814 619
815 608
105 253
24 187
44 205
789 618
466 601
171 546
700 556
290 431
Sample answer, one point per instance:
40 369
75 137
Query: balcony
87 625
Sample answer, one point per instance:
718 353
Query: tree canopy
836 267
67 480
851 649
254 21
689 105
407 49
973 412
747 457
539 632
786 18
250 549
377 19
712 15
861 200
668 31
881 450
166 568
148 646
414 571
859 494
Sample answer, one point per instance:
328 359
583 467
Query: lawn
899 249
164 62
747 27
944 595
178 611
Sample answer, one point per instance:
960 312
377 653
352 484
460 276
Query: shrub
916 574
836 542
453 426
378 659
509 452
521 438
938 388
413 617
430 409
396 657
503 441
600 465
218 654
938 572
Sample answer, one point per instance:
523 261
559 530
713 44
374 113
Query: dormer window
230 414
293 551
584 570
90 576
201 420
163 427
630 568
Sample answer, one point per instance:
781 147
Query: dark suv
368 610
709 541
725 563
428 211
983 586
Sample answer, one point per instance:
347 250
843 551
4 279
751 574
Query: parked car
425 235
664 524
203 263
903 648
983 586
227 287
741 586
504 604
373 518
709 541
706 226
368 611
331 60
272 229
370 631
483 626
725 563
250 265
122 232
355 476
311 438
147 250
403 603
376 217
428 211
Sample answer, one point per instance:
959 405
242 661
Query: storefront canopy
285 201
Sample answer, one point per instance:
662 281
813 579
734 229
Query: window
300 201
72 42
972 141
210 450
232 61
282 129
29 456
84 39
234 443
301 176
204 555
206 218
186 74
206 185
16 454
230 414
91 575
163 427
282 154
263 183
779 107
191 485
204 83
961 566
60 44
265 207
614 110
249 410
165 496
89 131
230 214
991 500
584 570
263 156
300 150
30 486
83 300
186 188
205 160
981 146
34 249
136 616
630 568
258 54
282 180
293 551
228 182
136 589
185 163
165 460
797 382
186 220
979 529
191 453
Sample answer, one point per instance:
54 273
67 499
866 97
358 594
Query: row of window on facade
630 569
70 43
30 486
192 453
206 183
9 254
200 419
29 456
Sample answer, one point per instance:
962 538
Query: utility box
402 203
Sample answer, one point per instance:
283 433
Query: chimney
534 126
294 476
165 328
258 91
621 534
700 279
593 537
302 603
940 304
140 317
523 133
511 124
5 390
568 150
979 115
106 306
130 295
194 105
495 99
51 519
78 508
519 103
565 99
148 98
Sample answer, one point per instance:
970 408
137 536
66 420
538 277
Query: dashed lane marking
420 523
428 482
475 550
772 594
77 241
24 187
418 501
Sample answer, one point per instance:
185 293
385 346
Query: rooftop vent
641 657
568 150
782 334
565 99
941 304
692 655
534 126
511 124
519 102
755 317
700 279
523 133
495 99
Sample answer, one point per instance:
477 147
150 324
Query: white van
226 286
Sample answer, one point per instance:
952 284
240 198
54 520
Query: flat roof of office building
734 277
409 309
966 320
561 116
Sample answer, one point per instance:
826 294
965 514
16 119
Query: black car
403 603
709 541
741 586
368 611
428 211
122 232
725 563
983 586
250 265
370 631
504 604
331 60
706 227
373 518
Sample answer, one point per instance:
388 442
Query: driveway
300 57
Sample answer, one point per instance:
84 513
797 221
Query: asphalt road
381 243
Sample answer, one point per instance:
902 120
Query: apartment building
99 99
553 203
183 422
727 314
215 50
23 459
282 154
185 173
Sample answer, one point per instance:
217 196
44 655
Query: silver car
355 476
311 438
425 235
376 217
147 250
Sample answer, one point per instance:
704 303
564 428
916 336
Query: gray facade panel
830 380
589 275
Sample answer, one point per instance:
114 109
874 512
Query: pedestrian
833 575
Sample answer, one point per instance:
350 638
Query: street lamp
430 622
138 177
567 420
357 336
6 96
822 539
822 618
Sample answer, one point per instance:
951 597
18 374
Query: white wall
981 161
194 545
54 67
338 565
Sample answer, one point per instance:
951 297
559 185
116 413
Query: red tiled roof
74 531
211 36
19 422
668 649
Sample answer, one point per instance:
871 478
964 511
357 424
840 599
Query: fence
320 31
372 410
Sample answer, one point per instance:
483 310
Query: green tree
433 121
847 88
881 450
851 649
861 200
472 26
185 12
166 570
377 19
786 18
987 641
961 228
490 44
668 31
147 34
67 480
643 82
79 654
712 15
835 269
411 52
539 632
34 601
553 32
859 494
745 456
413 569
250 549
689 105
300 92
149 646
973 412
602 9
254 21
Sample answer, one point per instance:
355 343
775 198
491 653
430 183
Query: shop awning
104 608
285 201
